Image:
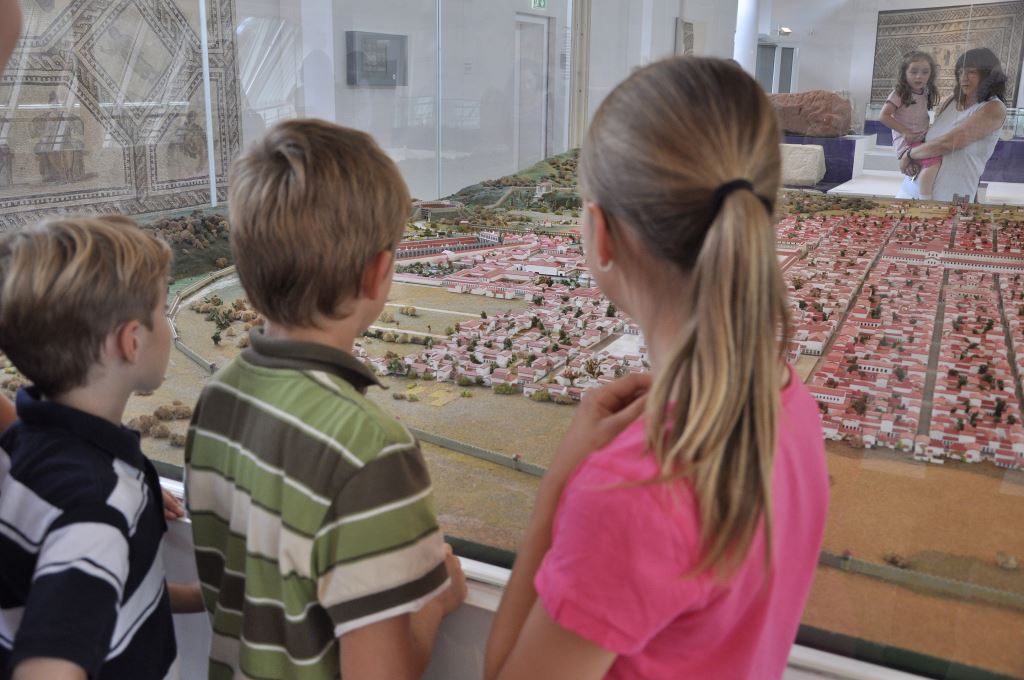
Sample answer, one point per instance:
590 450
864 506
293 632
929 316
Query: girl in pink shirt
906 112
677 529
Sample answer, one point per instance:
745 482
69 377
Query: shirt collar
307 356
117 440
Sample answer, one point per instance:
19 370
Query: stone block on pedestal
803 165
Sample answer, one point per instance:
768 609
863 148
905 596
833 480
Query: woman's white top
961 169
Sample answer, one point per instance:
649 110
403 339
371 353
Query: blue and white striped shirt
81 525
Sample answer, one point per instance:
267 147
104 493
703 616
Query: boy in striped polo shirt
82 589
316 541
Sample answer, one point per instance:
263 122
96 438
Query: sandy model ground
440 298
425 321
507 424
881 503
977 635
480 501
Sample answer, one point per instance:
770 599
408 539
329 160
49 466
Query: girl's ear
603 246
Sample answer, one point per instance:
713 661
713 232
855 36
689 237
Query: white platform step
880 183
871 183
881 158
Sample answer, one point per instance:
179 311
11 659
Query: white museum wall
297 60
269 62
292 56
400 118
626 34
295 66
477 87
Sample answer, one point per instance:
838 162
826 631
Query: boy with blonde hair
82 589
311 507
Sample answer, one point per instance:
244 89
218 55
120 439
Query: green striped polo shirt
311 510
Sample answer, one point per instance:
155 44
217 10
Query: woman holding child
965 130
677 529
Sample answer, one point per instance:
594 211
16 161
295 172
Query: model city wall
102 108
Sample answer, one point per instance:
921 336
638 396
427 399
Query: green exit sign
539 4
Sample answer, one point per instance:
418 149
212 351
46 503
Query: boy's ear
377 274
125 340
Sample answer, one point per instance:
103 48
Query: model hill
517 191
199 240
558 170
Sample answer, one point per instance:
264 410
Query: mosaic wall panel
102 108
945 33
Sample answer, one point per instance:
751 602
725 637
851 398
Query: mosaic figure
59 148
189 143
6 165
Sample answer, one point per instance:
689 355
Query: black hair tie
727 188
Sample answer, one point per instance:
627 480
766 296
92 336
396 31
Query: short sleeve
77 585
614 573
894 99
380 552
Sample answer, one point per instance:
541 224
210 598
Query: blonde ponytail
718 396
713 411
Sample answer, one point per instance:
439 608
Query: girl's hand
601 416
172 507
604 413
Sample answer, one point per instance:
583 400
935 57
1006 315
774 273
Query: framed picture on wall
375 59
689 38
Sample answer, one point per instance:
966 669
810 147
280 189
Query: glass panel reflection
909 316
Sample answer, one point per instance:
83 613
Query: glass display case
908 316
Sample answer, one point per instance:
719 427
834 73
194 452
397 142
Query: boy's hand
601 416
172 507
455 593
400 646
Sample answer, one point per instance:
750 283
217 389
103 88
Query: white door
530 128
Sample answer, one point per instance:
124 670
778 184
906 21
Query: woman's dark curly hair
992 79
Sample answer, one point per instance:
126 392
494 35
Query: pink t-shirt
913 115
613 574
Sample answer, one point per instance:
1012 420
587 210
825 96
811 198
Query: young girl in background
906 112
679 544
